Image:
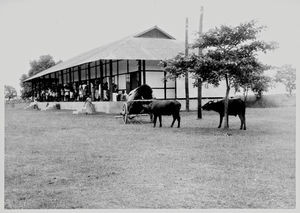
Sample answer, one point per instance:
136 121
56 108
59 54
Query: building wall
155 78
207 89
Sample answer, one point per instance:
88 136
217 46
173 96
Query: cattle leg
221 119
154 120
159 120
178 120
174 118
242 120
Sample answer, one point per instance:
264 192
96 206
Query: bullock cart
133 109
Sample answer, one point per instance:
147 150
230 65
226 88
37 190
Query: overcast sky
66 28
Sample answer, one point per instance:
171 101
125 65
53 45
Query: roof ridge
152 28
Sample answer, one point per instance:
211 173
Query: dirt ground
58 160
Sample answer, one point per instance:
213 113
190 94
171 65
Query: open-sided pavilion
119 66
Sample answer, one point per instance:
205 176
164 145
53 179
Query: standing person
54 95
62 95
99 90
105 91
50 95
119 96
114 87
80 93
67 94
43 95
71 95
47 95
73 89
75 94
96 93
84 91
92 92
124 96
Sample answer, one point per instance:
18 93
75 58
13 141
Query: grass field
59 160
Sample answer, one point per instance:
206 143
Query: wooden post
105 67
187 98
62 77
199 79
40 85
44 82
56 81
165 84
96 67
140 72
101 79
37 87
70 76
110 80
118 75
89 72
32 89
127 77
144 72
89 81
50 81
73 74
62 82
79 74
127 66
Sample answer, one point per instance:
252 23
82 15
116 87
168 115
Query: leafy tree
287 76
230 54
26 90
255 81
44 62
9 92
260 84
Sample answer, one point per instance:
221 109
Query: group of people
80 92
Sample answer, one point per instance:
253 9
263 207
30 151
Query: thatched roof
152 44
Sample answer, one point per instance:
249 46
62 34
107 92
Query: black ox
164 107
235 107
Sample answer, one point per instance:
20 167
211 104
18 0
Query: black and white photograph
149 105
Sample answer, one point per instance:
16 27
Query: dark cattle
235 107
164 107
136 107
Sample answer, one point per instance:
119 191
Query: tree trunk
199 98
187 96
226 124
245 94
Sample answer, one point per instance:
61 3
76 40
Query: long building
117 67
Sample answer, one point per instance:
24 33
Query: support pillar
110 80
144 71
101 79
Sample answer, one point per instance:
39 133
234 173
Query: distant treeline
266 101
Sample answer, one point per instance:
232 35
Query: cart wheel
125 118
125 113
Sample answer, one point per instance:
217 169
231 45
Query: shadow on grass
209 131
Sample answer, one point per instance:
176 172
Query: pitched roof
154 32
152 44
